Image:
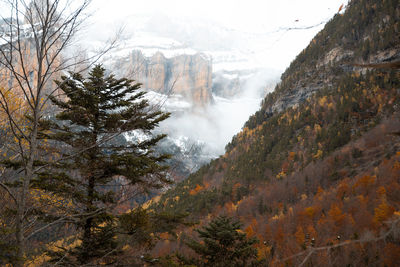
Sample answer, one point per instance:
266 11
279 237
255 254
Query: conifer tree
223 244
95 111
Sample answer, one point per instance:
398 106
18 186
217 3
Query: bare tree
33 39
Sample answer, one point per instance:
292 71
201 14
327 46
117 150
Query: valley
199 141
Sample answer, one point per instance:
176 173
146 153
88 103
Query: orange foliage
381 192
250 231
165 236
279 236
383 212
310 212
300 237
336 214
396 166
230 207
196 190
263 251
365 182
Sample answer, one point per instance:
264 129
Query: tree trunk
26 180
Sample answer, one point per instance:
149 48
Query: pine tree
224 244
94 112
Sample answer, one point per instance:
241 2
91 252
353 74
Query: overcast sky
241 14
273 46
269 19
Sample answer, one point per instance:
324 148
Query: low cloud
216 124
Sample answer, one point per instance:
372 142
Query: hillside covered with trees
314 174
312 179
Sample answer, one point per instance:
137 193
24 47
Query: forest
312 179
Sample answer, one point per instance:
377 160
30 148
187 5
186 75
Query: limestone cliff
188 75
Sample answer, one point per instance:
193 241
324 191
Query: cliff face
188 75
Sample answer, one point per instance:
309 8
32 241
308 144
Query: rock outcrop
188 75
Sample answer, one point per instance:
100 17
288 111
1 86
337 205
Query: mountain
203 84
314 174
187 75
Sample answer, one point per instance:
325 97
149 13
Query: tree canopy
95 171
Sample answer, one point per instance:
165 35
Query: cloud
216 124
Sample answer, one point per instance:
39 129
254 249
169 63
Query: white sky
274 47
240 14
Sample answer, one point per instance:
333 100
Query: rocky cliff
188 75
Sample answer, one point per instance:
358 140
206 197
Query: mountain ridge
319 159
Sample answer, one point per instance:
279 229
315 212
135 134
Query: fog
216 124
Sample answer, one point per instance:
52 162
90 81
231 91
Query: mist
259 38
216 124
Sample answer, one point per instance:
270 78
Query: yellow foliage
336 214
322 101
42 198
318 154
240 231
151 201
275 217
281 175
263 252
310 212
317 128
383 212
55 246
126 247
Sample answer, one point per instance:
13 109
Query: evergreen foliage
94 112
224 244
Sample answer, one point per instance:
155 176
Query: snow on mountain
196 136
